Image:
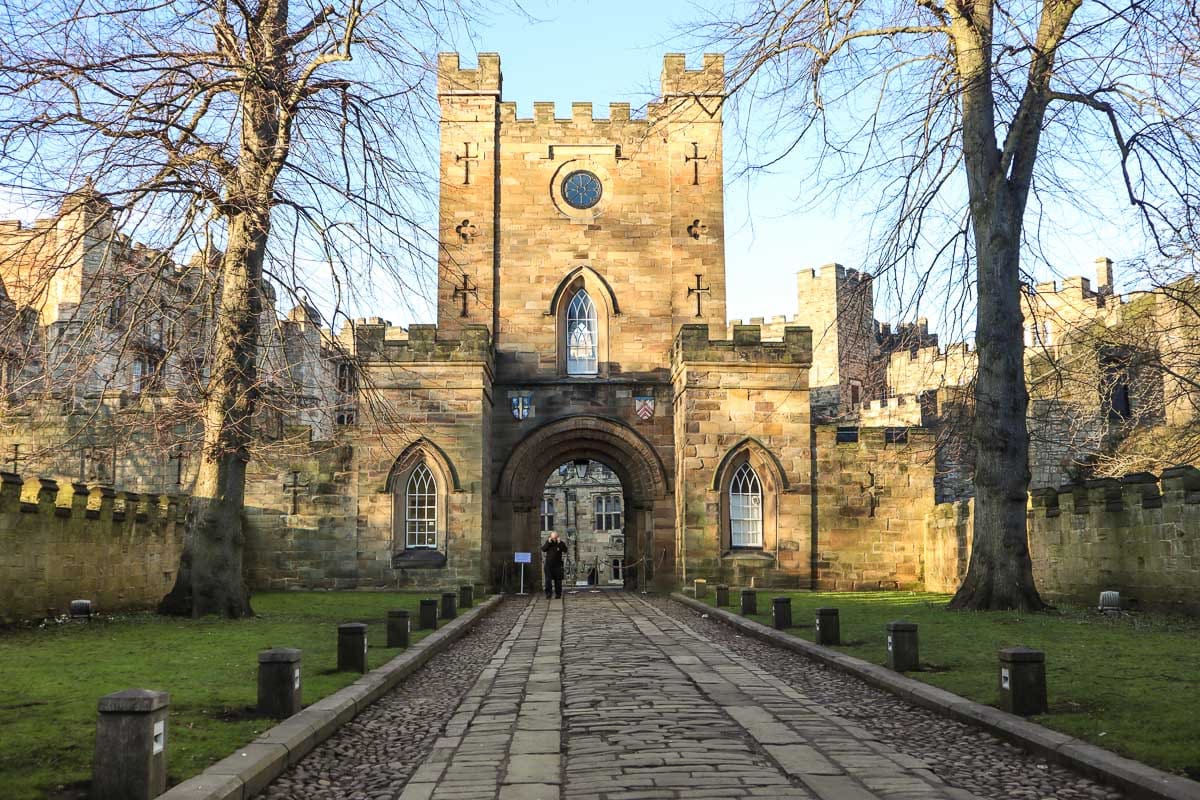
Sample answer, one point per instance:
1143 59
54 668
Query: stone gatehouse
581 315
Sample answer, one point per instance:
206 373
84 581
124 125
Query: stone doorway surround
645 481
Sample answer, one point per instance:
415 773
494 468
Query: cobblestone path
610 696
621 701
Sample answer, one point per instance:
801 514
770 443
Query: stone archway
645 482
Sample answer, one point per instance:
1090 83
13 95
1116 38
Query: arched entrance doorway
647 501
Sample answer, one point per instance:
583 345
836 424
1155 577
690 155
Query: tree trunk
210 579
1000 574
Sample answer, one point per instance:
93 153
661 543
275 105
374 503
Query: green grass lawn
1129 684
50 679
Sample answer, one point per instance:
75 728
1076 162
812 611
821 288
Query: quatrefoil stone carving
696 230
466 231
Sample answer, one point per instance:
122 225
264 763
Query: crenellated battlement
1176 486
746 346
377 340
484 79
830 272
708 81
620 116
40 495
1138 537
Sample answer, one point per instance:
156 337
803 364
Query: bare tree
957 113
276 136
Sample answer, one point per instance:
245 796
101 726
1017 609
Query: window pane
745 508
420 519
581 335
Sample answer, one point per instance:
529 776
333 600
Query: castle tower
468 230
838 305
692 106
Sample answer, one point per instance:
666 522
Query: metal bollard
428 614
701 588
902 653
399 627
279 682
829 628
466 596
749 602
130 761
352 647
449 605
781 612
1023 681
722 595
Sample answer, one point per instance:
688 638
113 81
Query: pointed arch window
581 335
421 508
745 508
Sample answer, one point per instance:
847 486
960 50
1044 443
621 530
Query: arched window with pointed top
745 508
582 358
421 509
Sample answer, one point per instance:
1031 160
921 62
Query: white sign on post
160 736
1004 679
522 559
297 678
889 643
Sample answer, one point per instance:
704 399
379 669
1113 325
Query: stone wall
118 549
874 491
1139 535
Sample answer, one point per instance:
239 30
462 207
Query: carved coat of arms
522 406
643 407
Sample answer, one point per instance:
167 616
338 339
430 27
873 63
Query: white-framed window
547 514
606 511
581 335
144 373
420 515
745 508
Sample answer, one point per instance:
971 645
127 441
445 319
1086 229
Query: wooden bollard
829 628
701 588
449 605
279 682
429 614
781 612
902 652
352 647
466 596
722 595
749 602
399 627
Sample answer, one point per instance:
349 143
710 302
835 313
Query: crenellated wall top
46 496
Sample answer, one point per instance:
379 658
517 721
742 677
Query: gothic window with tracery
745 508
420 518
581 335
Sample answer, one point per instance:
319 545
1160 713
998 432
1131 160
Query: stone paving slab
604 697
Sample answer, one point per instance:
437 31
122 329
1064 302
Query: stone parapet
60 543
1139 535
746 346
423 344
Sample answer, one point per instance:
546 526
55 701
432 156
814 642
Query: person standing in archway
554 548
